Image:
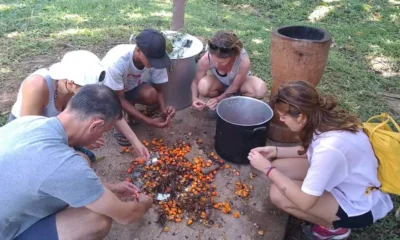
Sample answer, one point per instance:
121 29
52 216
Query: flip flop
122 140
133 121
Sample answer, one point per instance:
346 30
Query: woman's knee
261 90
204 86
293 168
254 87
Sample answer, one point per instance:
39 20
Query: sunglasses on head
278 100
215 47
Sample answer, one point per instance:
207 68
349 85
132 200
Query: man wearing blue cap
136 72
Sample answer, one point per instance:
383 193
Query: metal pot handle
257 132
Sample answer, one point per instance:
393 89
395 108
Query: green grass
40 27
360 29
3 120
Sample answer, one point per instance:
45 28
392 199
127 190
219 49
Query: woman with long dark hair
324 180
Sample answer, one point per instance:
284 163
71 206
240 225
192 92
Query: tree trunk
178 15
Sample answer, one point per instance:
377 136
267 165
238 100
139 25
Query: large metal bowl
242 124
244 111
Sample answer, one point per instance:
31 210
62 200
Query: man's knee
150 96
85 223
102 225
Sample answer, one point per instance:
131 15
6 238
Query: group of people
51 192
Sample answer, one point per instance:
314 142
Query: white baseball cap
81 66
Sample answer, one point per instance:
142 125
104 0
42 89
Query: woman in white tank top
224 70
324 180
46 92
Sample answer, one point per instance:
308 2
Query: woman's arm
328 169
35 95
292 191
202 68
286 185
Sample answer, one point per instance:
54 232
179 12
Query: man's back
40 174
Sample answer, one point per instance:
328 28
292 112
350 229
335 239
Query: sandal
132 121
122 140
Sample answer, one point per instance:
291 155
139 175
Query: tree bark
178 15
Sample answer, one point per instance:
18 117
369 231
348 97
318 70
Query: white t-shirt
344 164
121 73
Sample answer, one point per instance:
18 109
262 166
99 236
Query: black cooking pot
242 125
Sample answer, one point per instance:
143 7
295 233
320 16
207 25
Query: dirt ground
256 210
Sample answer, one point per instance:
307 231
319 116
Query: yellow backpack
386 144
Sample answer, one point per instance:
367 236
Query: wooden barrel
297 53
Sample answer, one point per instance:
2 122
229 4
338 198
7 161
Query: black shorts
345 221
133 95
43 229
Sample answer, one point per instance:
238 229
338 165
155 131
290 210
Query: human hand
97 144
160 122
269 152
146 200
141 150
212 103
198 104
169 111
125 189
258 161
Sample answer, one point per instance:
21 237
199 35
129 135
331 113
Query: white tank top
50 109
228 78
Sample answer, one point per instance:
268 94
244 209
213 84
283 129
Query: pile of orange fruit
242 190
192 194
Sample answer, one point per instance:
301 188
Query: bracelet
269 169
276 152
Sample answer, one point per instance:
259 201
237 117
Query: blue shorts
43 229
